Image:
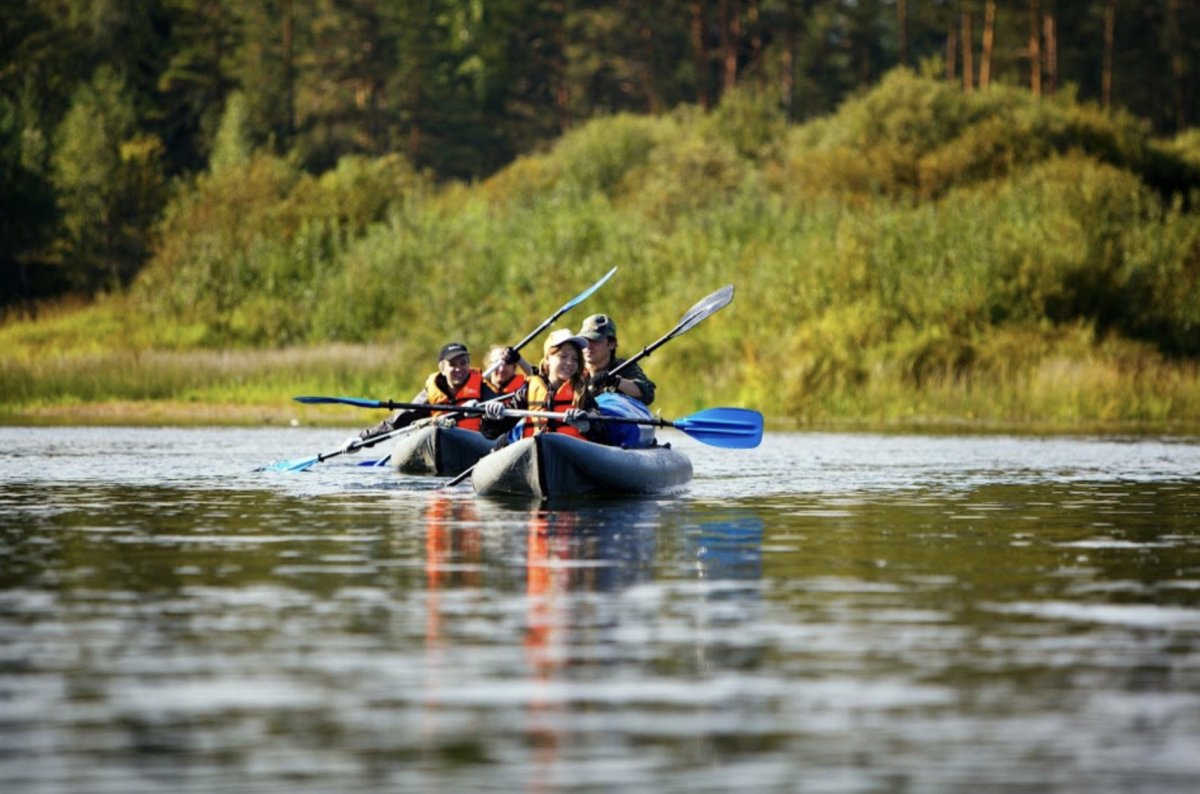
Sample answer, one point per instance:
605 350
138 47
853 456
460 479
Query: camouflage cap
597 327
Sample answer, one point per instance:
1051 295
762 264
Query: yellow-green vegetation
923 256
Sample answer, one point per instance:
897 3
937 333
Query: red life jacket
514 384
540 400
471 390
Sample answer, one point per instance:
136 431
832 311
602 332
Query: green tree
27 214
195 78
107 175
233 146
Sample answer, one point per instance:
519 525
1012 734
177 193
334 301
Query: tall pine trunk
731 33
1050 46
989 40
1035 47
968 75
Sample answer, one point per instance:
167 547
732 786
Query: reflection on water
830 613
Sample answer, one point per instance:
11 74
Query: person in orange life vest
600 359
456 382
509 369
559 386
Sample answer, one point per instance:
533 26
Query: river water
827 613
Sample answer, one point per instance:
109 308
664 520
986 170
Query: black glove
511 355
578 419
604 381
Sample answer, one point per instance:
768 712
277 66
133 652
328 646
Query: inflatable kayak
552 465
439 451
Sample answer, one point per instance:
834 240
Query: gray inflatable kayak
439 451
554 464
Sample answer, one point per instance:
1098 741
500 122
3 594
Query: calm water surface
828 613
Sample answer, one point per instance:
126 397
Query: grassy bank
254 387
922 258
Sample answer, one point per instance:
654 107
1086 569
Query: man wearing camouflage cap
600 359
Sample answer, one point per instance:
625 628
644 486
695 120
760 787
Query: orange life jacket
471 390
514 384
539 399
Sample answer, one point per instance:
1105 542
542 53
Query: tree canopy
102 103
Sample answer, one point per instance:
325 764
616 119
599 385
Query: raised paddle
727 428
706 307
566 307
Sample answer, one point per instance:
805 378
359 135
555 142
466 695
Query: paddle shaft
566 307
734 428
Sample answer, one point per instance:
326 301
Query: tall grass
922 255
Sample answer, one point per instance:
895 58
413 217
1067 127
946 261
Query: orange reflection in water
548 546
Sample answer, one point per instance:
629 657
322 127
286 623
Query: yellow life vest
539 399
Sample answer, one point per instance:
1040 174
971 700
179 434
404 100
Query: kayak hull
439 451
553 465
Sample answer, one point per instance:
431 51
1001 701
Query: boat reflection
453 555
593 582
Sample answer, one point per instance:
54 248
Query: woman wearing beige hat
558 385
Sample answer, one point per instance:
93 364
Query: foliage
463 88
922 253
108 181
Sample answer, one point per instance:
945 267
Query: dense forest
111 109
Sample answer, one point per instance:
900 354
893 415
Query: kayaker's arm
402 418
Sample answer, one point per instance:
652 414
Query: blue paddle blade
375 463
729 428
359 401
587 293
291 465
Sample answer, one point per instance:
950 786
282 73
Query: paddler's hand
511 356
352 444
577 418
604 381
493 410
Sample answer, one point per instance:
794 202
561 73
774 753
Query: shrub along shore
921 259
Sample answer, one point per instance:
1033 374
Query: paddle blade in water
290 465
729 428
